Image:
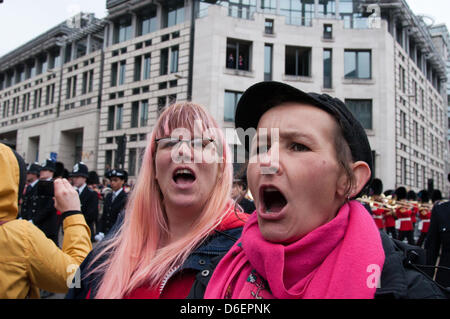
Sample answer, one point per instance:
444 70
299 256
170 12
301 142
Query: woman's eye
297 147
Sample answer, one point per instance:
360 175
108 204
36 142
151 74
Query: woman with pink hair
179 220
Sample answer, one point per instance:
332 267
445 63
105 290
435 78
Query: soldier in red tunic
378 210
404 212
424 216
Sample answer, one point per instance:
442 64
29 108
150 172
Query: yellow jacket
28 259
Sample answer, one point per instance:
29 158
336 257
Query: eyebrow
290 134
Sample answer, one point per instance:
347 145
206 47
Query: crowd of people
292 225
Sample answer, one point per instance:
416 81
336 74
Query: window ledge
295 78
249 74
331 40
328 90
270 35
358 81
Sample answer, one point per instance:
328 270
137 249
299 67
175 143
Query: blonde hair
133 256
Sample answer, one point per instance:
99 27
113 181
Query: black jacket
202 260
402 276
439 236
111 210
89 205
29 202
41 210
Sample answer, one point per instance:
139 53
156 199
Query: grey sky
23 20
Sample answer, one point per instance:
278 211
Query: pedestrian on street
28 259
30 199
180 219
88 197
114 202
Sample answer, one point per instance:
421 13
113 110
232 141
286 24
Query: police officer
45 215
114 202
88 198
30 198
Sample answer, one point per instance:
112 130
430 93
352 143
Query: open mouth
273 199
183 176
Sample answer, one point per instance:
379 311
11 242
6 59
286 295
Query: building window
164 61
114 70
269 6
162 100
268 49
91 81
111 113
132 161
242 9
327 31
231 100
238 54
147 21
297 12
134 114
362 110
402 124
357 64
147 61
402 79
174 59
108 160
84 83
173 15
416 132
122 29
122 72
298 61
327 68
403 170
327 8
144 113
137 68
268 26
119 116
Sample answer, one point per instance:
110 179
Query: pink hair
133 256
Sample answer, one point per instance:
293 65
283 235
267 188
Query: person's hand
66 197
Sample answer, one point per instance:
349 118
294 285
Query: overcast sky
23 20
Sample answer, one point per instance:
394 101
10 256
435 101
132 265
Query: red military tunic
415 210
404 216
389 219
378 215
425 216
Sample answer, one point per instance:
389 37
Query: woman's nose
270 161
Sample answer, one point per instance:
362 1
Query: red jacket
404 215
425 217
378 216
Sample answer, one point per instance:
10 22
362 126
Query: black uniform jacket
41 210
29 202
111 210
89 205
439 236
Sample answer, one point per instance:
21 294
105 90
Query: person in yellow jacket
28 259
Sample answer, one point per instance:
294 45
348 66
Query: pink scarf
341 259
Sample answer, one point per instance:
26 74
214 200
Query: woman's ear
361 172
